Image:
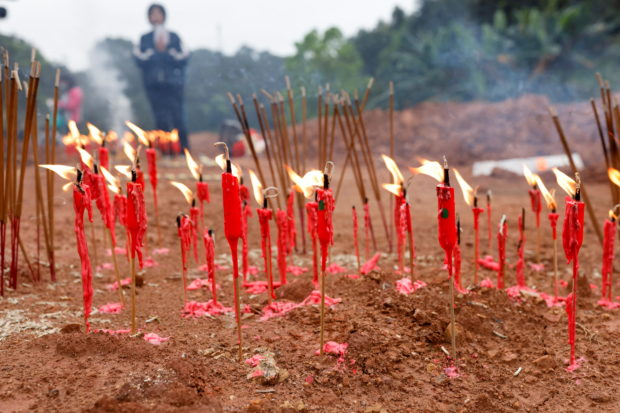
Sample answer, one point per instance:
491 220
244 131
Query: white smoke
108 84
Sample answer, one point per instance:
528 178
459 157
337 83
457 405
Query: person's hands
148 53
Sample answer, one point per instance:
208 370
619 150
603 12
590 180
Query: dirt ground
511 351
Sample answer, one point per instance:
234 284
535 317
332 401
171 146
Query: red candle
325 228
120 208
292 229
457 257
185 232
446 220
400 229
283 245
104 156
521 251
536 203
232 230
553 221
136 218
194 215
489 227
244 192
209 243
476 211
367 229
264 216
502 235
312 213
572 239
355 243
151 159
202 193
247 213
81 203
609 231
140 178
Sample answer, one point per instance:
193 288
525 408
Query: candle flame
67 186
396 189
187 193
73 130
220 160
468 192
529 176
128 137
130 152
257 188
94 133
430 168
86 157
614 176
612 215
111 136
193 166
65 172
565 182
111 179
308 182
125 170
548 195
397 177
139 133
174 135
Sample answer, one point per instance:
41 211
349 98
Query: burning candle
312 209
97 136
81 204
572 239
265 215
535 202
398 190
502 235
232 226
202 188
136 227
194 215
290 213
471 199
247 213
446 225
553 222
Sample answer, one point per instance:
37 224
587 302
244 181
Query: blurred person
162 59
70 102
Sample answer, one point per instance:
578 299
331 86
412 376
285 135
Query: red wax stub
290 212
312 213
151 159
553 221
357 251
232 207
81 203
185 234
536 203
572 234
446 217
140 178
247 213
502 235
521 254
194 215
283 232
244 193
210 257
136 218
202 192
325 227
104 157
120 208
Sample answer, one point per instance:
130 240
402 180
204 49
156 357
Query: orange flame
130 152
139 133
220 160
308 182
565 182
397 177
468 192
396 189
114 182
65 172
193 166
548 195
94 133
73 130
529 176
614 176
430 168
612 215
257 188
174 135
112 136
125 170
187 193
86 157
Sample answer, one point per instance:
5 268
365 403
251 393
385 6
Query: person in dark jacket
162 59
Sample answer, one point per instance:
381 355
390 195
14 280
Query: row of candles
131 212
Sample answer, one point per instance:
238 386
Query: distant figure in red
70 103
162 59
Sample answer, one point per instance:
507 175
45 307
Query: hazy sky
65 30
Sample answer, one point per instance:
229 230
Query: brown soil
394 361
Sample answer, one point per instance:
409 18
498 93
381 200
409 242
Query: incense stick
569 155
